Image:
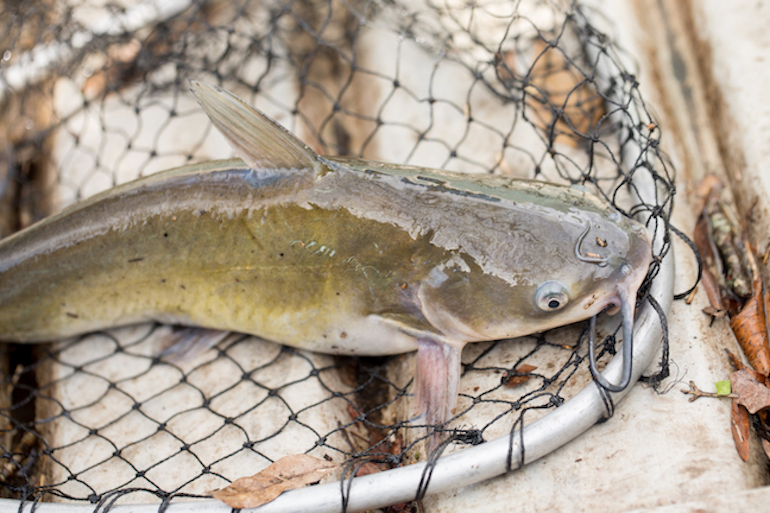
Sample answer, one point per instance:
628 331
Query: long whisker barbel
628 350
600 261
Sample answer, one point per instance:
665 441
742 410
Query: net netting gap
96 94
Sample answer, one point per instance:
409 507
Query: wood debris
520 375
736 290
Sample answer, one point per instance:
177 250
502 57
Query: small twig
691 296
697 392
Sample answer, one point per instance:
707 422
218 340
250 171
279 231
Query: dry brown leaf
516 378
750 328
752 394
766 307
371 467
7 199
347 370
709 281
713 292
739 365
714 312
703 190
739 422
288 473
559 97
735 361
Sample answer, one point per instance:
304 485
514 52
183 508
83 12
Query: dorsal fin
261 142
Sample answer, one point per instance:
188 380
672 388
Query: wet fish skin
328 254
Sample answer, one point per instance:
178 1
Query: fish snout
630 276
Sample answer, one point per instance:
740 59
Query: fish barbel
329 254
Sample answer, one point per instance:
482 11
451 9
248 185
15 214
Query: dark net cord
543 93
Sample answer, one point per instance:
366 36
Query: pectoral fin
258 140
436 383
184 343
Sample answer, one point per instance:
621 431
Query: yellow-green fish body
328 254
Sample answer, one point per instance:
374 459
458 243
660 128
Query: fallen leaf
348 370
518 376
560 99
353 413
710 266
712 288
750 328
752 394
288 473
404 507
766 306
703 189
739 365
371 467
714 312
734 360
739 422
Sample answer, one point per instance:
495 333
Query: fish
330 254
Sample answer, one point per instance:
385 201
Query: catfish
330 254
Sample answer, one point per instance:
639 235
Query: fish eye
551 296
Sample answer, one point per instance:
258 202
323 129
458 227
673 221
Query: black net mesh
94 94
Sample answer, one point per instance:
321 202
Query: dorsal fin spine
261 142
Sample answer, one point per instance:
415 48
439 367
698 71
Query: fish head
608 270
609 259
593 261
